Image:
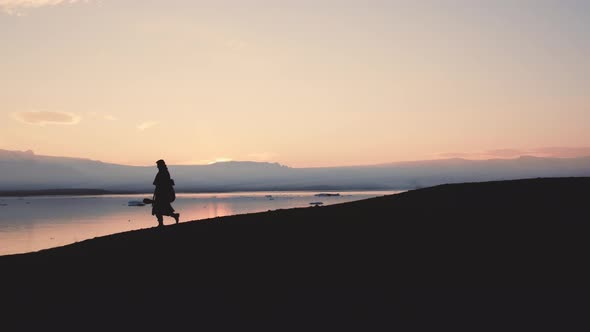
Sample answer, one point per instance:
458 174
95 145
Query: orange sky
303 83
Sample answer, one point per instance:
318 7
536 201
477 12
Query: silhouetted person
163 194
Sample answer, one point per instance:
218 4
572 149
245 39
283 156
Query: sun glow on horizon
219 160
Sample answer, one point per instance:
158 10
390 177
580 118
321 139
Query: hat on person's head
161 162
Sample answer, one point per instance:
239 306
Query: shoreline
101 192
280 201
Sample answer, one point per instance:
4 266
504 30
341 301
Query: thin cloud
506 153
221 160
462 155
205 161
14 7
146 125
490 154
564 152
547 152
42 118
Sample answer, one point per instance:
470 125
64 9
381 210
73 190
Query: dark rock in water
327 195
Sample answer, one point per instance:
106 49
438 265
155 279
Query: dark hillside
472 255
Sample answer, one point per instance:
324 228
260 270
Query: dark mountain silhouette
27 171
482 256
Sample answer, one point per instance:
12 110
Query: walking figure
164 194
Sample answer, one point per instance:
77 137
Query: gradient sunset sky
303 83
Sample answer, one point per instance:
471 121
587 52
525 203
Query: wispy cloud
14 7
220 160
490 154
42 118
146 125
549 152
564 152
463 155
204 161
508 153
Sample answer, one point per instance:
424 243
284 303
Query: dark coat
162 193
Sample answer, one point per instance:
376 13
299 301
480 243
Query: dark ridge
477 256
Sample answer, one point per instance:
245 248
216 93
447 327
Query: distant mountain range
28 171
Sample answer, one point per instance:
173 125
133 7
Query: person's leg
174 215
160 220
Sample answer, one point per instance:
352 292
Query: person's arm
157 180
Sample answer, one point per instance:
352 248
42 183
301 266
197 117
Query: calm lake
34 223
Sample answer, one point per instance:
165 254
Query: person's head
161 164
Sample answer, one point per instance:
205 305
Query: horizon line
442 158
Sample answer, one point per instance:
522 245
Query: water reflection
30 224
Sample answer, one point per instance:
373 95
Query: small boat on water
316 204
135 203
